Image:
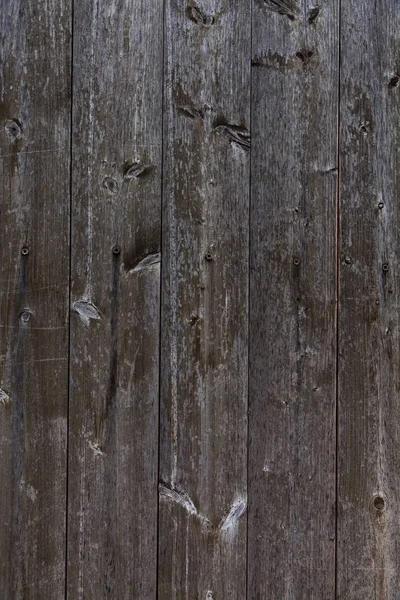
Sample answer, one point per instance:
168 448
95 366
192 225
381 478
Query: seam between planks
338 149
69 298
248 303
160 294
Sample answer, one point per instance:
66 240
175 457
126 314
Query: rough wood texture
34 265
117 109
203 474
369 378
292 301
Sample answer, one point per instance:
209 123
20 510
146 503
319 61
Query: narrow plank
113 476
34 267
369 379
293 220
203 470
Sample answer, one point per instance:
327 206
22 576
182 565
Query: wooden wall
199 311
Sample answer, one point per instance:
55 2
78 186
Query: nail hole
116 250
380 205
208 256
296 261
25 251
385 267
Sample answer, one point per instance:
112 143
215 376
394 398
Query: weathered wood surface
203 447
369 377
34 266
115 299
192 296
292 301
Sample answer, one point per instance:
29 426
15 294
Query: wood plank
369 379
293 300
204 375
117 131
34 266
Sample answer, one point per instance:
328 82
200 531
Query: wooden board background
199 312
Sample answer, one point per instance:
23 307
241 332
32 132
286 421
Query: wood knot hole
379 503
13 130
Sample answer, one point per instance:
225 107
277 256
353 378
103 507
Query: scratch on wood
235 134
274 60
191 112
134 171
198 15
87 311
4 398
183 500
313 14
286 8
237 510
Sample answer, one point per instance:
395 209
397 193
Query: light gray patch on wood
238 509
87 311
148 261
4 398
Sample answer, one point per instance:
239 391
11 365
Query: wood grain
369 380
115 298
293 301
34 267
203 447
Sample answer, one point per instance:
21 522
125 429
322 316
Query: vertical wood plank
293 300
117 132
369 379
34 266
203 459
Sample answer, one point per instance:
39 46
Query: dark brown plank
292 301
369 378
34 214
203 471
117 132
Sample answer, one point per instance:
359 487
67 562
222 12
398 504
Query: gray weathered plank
292 301
369 378
34 266
113 478
203 471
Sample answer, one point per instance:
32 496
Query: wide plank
35 108
204 375
369 377
292 359
115 299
